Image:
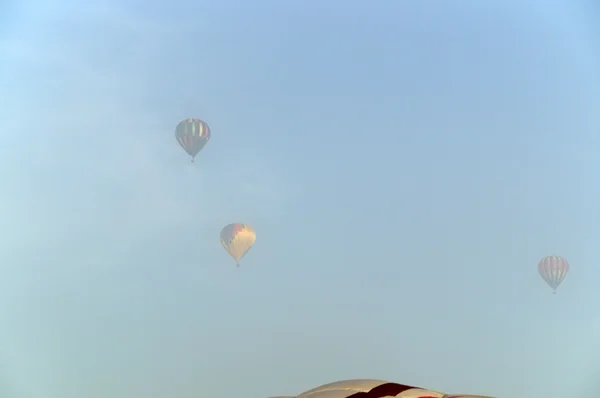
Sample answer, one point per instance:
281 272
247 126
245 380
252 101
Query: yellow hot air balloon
237 239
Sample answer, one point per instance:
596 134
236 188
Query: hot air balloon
192 135
367 388
237 239
553 269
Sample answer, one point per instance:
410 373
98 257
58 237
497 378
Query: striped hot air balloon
192 135
553 269
368 388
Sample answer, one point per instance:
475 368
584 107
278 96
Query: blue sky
405 166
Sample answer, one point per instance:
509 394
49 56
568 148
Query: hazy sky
405 164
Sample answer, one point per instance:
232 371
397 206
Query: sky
405 164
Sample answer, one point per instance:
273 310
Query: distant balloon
192 135
553 269
237 239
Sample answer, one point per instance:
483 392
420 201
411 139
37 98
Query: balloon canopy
192 135
371 388
237 239
553 270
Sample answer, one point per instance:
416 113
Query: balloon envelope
368 388
237 239
192 135
371 388
553 270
